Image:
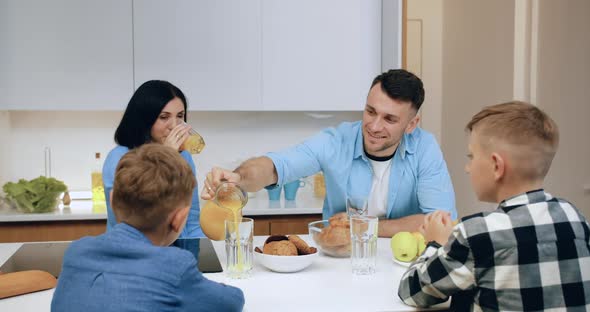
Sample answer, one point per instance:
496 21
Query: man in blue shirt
385 158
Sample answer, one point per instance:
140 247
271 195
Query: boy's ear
499 166
179 218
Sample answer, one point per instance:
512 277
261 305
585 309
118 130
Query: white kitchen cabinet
65 54
210 49
226 55
319 55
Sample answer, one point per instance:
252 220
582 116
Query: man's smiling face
385 120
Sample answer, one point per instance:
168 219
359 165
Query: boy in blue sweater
132 267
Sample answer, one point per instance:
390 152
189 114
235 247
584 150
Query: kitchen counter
327 285
78 210
80 219
259 205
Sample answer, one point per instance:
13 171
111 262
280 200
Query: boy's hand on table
437 227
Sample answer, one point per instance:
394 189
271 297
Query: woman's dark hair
400 84
142 111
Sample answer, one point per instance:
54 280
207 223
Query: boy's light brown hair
522 130
150 182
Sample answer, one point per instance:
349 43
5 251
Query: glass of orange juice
194 144
239 247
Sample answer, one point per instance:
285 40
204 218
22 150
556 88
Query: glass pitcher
227 204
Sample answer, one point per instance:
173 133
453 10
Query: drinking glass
194 144
357 205
239 247
363 237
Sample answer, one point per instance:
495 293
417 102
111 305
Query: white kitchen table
326 285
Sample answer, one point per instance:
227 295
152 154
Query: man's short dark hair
400 84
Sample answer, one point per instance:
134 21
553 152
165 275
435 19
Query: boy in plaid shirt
532 253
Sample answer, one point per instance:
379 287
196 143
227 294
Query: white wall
563 91
478 70
74 137
548 62
424 58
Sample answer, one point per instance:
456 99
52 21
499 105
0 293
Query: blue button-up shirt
419 181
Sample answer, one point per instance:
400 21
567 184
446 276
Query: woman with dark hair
155 113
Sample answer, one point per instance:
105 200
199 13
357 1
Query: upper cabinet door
65 54
210 49
319 55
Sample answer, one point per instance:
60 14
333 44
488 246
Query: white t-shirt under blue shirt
377 202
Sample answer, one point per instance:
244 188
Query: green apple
421 242
404 246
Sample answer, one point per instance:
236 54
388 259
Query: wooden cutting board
24 282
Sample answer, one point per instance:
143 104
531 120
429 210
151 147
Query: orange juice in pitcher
221 218
227 204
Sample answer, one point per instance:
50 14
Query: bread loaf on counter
24 282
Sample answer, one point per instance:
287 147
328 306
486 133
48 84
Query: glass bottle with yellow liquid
98 199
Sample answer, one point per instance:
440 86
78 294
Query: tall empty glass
363 237
239 247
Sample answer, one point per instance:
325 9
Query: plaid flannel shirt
532 253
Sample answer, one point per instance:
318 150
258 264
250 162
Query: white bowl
285 264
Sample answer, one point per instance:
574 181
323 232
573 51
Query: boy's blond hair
522 130
150 182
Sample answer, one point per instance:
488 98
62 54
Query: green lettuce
35 196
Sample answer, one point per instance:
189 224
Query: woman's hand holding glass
177 136
194 144
183 137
